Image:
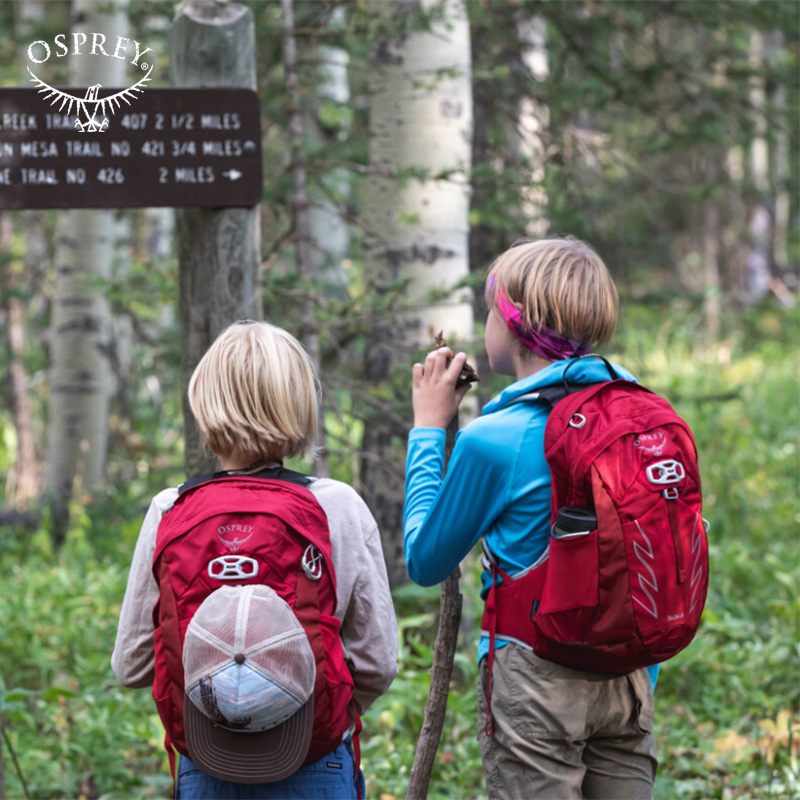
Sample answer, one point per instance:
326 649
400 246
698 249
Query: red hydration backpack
626 591
229 530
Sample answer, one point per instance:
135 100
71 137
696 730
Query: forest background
408 144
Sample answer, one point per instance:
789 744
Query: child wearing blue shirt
555 732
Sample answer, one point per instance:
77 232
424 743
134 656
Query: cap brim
242 757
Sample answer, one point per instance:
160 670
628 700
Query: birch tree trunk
80 331
780 162
329 231
760 221
159 223
24 479
416 228
775 46
713 290
219 250
532 123
22 485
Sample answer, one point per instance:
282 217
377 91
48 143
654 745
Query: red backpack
624 581
266 528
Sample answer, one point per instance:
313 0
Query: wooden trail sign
169 147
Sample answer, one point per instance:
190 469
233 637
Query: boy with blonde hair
545 730
278 655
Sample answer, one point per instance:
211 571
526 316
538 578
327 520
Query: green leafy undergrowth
72 730
727 708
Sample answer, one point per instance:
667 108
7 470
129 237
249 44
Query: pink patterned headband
543 341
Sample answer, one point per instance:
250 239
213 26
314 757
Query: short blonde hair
255 393
559 283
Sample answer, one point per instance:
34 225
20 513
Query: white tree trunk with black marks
24 479
416 228
711 246
421 119
780 200
758 277
80 331
330 193
529 141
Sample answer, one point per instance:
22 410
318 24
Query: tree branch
442 668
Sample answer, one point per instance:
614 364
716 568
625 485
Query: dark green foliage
645 103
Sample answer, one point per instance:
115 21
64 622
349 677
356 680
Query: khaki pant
565 734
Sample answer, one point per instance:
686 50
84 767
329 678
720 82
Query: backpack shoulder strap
549 394
557 392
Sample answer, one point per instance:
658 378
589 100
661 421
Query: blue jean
332 777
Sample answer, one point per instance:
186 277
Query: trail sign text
173 147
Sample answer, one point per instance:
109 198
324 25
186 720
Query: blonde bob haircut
254 394
561 284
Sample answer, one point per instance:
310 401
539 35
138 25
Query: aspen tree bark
219 250
80 337
416 229
781 175
713 292
328 230
485 240
421 119
26 472
23 480
159 223
760 221
775 46
121 323
532 123
158 230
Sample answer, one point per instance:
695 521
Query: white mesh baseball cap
249 674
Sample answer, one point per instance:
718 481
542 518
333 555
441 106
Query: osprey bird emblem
235 543
90 105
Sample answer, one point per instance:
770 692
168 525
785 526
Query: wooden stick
443 655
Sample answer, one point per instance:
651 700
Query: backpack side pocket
570 593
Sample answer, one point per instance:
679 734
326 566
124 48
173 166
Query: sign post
212 45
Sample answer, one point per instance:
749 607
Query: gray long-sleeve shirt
364 604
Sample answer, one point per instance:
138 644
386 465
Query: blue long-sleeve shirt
497 484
